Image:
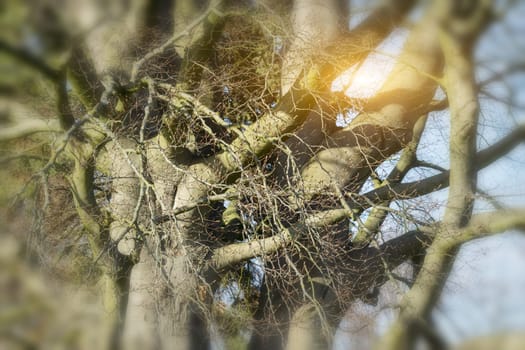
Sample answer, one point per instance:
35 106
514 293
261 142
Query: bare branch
83 77
224 255
57 77
458 36
405 163
168 44
28 128
483 225
31 60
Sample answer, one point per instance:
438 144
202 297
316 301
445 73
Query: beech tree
210 178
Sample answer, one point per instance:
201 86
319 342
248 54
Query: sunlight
364 80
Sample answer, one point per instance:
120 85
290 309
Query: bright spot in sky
364 80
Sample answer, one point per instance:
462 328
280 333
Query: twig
168 43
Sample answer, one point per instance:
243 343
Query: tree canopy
198 164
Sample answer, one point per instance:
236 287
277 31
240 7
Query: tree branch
168 44
54 75
28 128
483 225
418 188
459 32
405 163
31 60
83 77
224 256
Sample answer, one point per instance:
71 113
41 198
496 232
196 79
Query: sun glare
364 80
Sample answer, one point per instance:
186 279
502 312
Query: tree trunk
141 326
115 289
162 310
312 327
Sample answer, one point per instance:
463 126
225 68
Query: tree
208 174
